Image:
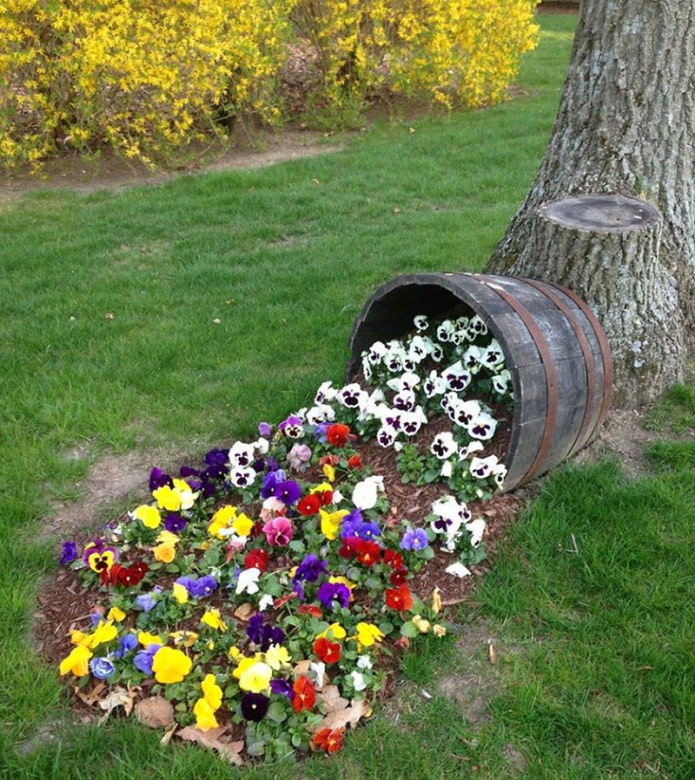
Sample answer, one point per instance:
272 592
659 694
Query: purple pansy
414 539
310 569
68 554
333 594
254 706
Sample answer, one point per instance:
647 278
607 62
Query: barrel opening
391 316
558 357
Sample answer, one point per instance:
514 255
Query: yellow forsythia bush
140 76
146 78
452 52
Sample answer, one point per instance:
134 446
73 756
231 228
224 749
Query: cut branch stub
601 213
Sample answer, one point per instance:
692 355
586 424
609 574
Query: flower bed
258 603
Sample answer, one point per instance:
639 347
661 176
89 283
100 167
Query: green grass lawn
171 319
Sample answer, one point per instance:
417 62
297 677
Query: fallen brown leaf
348 716
155 712
214 739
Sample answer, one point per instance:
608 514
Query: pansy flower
254 706
337 434
68 553
170 665
278 532
414 539
400 599
328 740
310 569
304 694
327 651
99 556
332 594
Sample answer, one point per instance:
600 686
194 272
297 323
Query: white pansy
481 468
405 400
320 413
500 382
447 469
376 352
364 662
478 325
499 472
476 529
386 436
443 445
419 348
457 376
492 356
411 422
261 446
319 670
352 396
466 412
265 601
469 449
445 330
248 581
365 494
241 454
325 393
242 477
434 384
471 359
420 322
457 570
482 427
358 680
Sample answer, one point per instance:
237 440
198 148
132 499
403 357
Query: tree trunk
625 126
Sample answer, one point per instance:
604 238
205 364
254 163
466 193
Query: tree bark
625 126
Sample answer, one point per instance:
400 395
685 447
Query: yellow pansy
212 618
204 716
422 625
77 662
166 537
322 488
276 656
367 635
147 639
330 522
184 638
256 678
165 552
334 631
116 614
242 524
438 630
148 515
221 520
179 592
233 653
79 638
212 692
170 665
167 498
329 472
104 632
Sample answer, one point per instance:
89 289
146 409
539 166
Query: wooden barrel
554 348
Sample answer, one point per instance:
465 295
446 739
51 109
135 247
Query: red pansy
304 694
327 651
355 462
309 505
258 559
310 609
400 599
398 577
337 434
368 553
330 741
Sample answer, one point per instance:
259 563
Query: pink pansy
278 531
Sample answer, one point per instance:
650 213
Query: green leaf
276 712
408 629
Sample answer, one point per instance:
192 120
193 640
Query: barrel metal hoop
551 378
605 353
584 434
